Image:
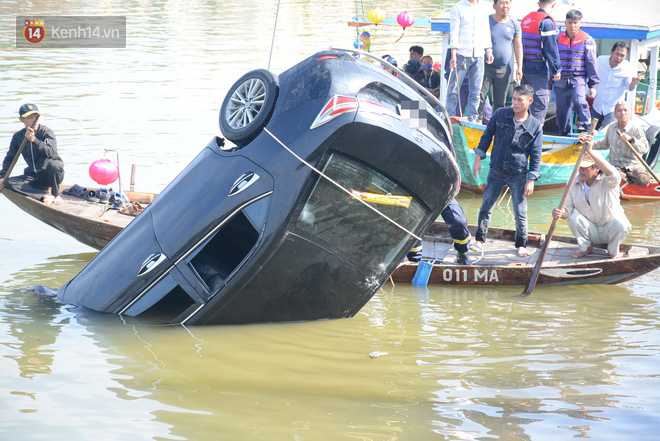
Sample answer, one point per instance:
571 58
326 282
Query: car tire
653 137
248 106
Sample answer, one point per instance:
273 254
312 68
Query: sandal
76 190
91 196
103 195
132 209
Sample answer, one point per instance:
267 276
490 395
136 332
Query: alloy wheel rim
245 103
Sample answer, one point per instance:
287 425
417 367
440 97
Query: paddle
18 154
539 261
639 157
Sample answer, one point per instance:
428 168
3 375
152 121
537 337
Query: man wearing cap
593 208
393 62
45 168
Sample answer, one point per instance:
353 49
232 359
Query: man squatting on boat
45 167
593 208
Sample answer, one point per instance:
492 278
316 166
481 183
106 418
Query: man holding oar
621 157
45 167
593 208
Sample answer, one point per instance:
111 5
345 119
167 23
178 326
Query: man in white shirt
470 42
593 209
616 75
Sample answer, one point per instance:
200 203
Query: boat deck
92 223
501 252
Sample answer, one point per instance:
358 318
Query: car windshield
341 223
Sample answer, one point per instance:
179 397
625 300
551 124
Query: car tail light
326 57
338 105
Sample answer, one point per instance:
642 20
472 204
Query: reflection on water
460 363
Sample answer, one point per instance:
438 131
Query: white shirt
613 84
469 28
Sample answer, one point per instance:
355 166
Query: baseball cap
587 161
413 66
392 61
27 110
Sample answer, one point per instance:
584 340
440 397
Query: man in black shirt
45 168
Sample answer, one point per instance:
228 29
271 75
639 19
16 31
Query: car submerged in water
334 170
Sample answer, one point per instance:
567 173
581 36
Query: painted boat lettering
474 275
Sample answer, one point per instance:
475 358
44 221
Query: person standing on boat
593 208
577 51
45 167
621 157
616 76
515 161
470 43
541 64
506 37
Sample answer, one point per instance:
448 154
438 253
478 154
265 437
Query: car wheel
248 106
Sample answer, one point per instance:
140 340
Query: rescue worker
541 62
577 52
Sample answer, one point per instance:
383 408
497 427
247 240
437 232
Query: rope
272 43
384 216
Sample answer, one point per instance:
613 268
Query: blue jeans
494 184
473 67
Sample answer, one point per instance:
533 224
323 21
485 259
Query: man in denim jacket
514 161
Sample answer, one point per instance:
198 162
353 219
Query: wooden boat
500 264
93 224
630 192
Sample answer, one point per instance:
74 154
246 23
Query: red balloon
103 171
405 19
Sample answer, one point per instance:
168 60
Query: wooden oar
544 249
639 157
18 154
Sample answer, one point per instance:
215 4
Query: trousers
587 233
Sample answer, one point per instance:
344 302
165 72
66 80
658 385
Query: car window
341 223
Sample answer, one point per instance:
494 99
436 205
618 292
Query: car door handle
150 263
243 182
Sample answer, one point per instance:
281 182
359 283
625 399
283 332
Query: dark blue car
331 171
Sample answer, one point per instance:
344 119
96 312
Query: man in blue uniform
454 216
577 52
541 62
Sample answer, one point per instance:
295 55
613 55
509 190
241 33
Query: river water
457 363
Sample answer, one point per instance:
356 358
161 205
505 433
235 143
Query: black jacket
35 153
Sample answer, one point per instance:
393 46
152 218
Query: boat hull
630 192
507 269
